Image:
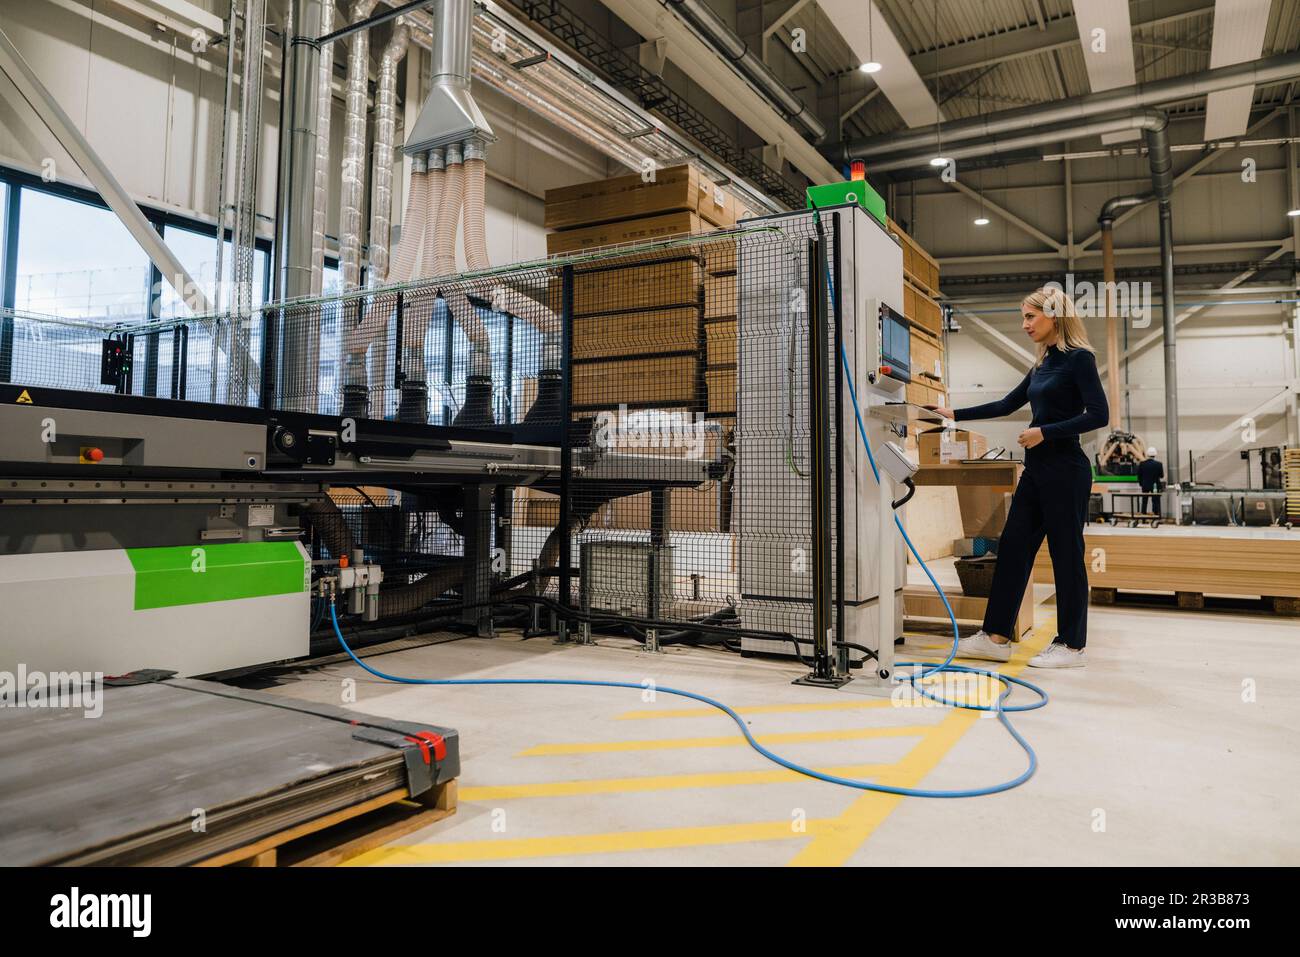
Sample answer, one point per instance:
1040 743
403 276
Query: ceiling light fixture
871 66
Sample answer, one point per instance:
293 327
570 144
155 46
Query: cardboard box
675 189
655 381
616 335
690 510
722 389
918 393
719 297
633 285
720 343
719 256
923 311
947 447
927 360
642 230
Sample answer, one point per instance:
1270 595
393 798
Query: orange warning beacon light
858 171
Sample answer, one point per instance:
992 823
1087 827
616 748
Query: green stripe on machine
194 574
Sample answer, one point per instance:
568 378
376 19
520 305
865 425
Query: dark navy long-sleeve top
1064 394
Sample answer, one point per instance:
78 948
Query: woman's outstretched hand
943 411
1030 437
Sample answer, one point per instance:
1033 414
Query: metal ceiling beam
1057 34
101 177
698 61
1029 229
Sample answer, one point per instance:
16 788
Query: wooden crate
681 188
662 380
617 335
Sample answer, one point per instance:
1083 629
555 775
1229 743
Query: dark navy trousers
1050 502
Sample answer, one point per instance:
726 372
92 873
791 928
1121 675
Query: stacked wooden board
1205 560
651 331
1291 482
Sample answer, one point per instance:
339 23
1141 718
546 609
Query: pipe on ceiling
1274 69
725 41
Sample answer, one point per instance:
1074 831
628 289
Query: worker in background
1151 473
1065 394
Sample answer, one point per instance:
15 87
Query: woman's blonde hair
1052 302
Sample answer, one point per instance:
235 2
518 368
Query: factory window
197 252
78 261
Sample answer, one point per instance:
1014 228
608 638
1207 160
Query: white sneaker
1058 655
980 645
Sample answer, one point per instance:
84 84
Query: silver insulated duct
381 190
450 114
354 149
324 105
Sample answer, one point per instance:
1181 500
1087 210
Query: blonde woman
1065 395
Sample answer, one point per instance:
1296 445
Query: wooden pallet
1198 601
331 839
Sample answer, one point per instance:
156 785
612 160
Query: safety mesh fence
688 479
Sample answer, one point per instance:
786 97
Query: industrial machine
807 527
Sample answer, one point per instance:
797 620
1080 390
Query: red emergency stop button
93 455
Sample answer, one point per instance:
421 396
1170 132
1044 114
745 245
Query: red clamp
425 739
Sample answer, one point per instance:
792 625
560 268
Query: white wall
152 109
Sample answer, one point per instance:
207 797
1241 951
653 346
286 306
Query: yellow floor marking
834 845
832 841
757 709
724 741
573 844
667 782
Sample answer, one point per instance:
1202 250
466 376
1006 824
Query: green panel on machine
193 574
854 191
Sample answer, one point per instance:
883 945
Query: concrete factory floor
1153 754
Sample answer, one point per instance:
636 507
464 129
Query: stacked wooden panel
1291 482
921 307
639 322
637 334
1260 562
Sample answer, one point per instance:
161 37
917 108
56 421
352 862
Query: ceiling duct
1078 109
449 114
724 40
